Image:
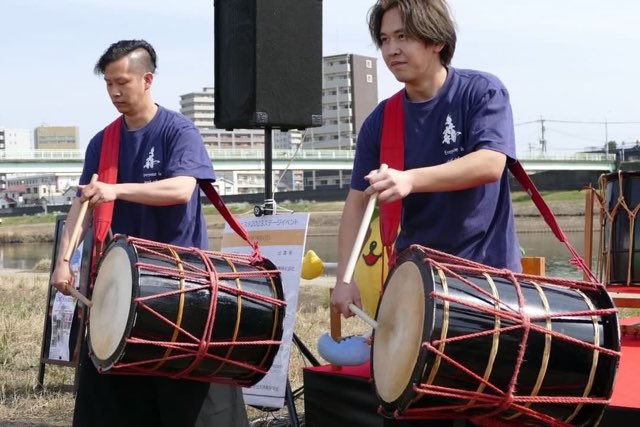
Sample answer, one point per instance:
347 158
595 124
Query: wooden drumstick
78 295
355 252
363 315
73 241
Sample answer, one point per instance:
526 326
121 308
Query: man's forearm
477 168
164 192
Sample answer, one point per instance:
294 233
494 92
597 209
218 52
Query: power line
578 122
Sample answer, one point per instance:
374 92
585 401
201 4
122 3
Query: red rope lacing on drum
190 347
501 400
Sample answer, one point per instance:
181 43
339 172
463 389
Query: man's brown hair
427 20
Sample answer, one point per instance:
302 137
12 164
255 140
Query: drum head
398 338
112 300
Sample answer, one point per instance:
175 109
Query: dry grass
22 305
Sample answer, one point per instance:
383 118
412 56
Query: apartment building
349 94
200 108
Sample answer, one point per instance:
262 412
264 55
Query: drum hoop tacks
119 350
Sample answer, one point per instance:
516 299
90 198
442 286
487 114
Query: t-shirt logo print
151 160
450 134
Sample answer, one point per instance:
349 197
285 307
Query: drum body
450 338
620 232
184 313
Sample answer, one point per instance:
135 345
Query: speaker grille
268 63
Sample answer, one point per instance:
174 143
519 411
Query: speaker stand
269 208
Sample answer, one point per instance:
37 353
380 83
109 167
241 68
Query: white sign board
282 241
62 312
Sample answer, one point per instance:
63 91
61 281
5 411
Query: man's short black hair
123 48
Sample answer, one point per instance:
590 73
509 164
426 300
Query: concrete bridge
70 161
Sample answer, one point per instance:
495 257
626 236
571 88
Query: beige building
56 138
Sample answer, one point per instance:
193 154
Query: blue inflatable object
352 350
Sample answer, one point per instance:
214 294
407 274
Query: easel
269 208
79 321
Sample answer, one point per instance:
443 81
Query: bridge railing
565 157
258 154
42 155
214 153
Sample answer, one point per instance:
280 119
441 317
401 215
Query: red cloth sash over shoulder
107 172
392 153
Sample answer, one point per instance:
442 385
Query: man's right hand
61 277
343 295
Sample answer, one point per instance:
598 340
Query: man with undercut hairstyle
156 197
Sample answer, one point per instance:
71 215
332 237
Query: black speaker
268 63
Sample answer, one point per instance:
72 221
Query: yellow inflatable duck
312 266
372 268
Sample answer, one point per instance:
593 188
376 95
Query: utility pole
606 136
543 142
338 116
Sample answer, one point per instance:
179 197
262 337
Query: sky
572 63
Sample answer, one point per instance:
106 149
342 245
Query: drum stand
269 208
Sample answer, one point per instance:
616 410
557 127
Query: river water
25 256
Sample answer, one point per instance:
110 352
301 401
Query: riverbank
569 213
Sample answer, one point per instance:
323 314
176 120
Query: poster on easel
63 329
282 240
63 313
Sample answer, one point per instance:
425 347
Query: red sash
107 172
392 153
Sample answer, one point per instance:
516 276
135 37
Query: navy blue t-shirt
470 112
168 146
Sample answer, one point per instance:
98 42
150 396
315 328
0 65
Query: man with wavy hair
458 137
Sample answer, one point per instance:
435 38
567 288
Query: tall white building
16 139
200 108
